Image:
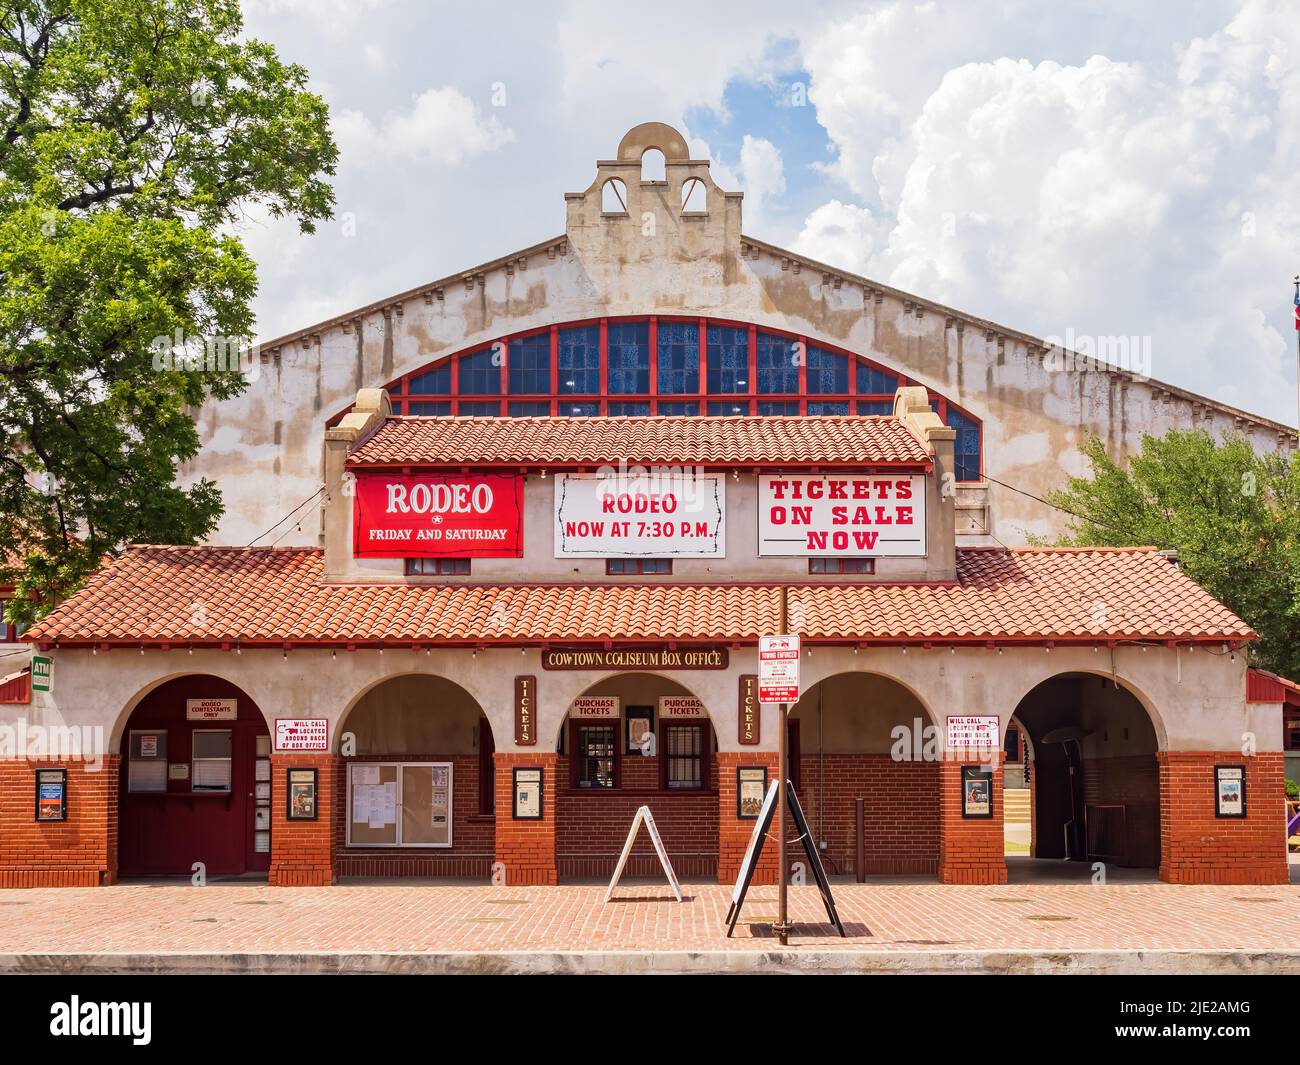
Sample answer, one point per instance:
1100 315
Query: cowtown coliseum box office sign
635 658
841 514
659 512
436 515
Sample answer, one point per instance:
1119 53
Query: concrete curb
737 962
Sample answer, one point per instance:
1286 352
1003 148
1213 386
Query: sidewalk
475 928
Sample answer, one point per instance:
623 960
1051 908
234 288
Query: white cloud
763 176
839 234
443 126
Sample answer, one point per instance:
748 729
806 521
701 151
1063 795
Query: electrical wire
287 516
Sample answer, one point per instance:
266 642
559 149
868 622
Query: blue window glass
873 382
580 410
530 365
778 410
478 410
828 408
728 357
827 372
539 409
778 366
875 406
679 409
579 360
428 408
730 407
629 410
480 374
679 357
435 382
629 358
966 448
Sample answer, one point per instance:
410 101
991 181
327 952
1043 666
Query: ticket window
147 761
210 767
595 756
399 804
684 756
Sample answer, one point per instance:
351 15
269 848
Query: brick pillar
526 849
971 850
78 852
1196 847
302 852
733 833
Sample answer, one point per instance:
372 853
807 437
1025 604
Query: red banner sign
438 515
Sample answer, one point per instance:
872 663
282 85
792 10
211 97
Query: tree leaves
135 131
1232 514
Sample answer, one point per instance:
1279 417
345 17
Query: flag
1297 310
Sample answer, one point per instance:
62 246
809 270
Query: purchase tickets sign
854 514
438 515
644 513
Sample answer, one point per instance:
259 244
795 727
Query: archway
1094 780
631 740
195 786
866 736
419 792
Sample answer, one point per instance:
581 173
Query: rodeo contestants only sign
438 515
841 514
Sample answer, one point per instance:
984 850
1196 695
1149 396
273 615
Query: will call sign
438 515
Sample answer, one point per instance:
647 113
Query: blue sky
1103 167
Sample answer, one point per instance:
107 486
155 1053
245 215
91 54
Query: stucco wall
264 447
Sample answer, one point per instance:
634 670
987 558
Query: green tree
134 134
1232 514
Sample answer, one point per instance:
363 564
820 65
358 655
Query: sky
1091 169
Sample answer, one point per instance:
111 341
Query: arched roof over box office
666 364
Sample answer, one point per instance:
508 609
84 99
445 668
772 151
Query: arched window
652 165
694 197
667 364
613 197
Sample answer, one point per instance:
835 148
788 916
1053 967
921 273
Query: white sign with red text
974 732
211 710
778 669
302 734
640 513
681 708
594 707
854 514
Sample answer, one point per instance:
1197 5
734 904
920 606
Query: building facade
548 508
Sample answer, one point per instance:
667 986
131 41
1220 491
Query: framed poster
976 791
751 786
300 795
638 723
51 795
527 782
1229 791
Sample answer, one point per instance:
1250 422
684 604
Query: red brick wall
733 834
472 833
302 852
1198 848
901 817
593 824
78 852
526 849
971 850
1134 782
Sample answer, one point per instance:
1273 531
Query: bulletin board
399 804
370 790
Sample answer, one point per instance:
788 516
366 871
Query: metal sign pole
782 927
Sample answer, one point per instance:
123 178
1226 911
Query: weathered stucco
264 447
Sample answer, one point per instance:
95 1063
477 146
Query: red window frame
555 401
437 567
636 567
857 567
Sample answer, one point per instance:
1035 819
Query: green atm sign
42 673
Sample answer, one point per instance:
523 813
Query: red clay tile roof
803 441
179 595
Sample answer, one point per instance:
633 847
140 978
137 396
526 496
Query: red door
188 783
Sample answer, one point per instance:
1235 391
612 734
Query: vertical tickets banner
438 515
525 711
748 716
874 515
640 513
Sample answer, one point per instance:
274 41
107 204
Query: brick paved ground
249 917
